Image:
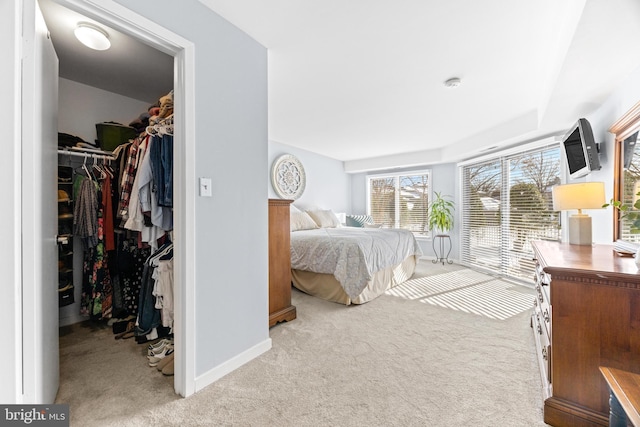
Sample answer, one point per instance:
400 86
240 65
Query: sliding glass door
506 203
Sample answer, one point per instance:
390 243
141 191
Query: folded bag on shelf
112 134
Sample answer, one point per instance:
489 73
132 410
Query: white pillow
373 226
324 218
301 221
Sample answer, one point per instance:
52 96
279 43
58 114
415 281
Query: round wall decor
287 177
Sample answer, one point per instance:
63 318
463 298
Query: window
506 203
630 185
627 171
400 200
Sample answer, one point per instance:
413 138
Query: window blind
506 203
400 201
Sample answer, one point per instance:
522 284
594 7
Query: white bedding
353 255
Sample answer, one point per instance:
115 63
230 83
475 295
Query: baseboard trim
231 365
71 320
560 412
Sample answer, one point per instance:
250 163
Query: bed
351 265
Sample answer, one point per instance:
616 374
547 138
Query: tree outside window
400 201
506 203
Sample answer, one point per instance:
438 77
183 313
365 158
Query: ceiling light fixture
453 82
92 36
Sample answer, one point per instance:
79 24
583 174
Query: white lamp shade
92 36
584 195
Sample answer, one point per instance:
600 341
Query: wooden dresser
280 308
586 315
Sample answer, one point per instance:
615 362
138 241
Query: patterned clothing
85 224
96 299
128 176
130 265
107 200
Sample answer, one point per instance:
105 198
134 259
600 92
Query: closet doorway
115 16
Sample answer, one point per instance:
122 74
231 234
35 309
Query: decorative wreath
287 177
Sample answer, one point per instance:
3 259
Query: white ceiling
362 80
129 67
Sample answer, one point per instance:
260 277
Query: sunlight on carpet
467 291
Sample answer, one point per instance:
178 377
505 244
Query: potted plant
441 213
631 213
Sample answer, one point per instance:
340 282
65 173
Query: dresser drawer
542 306
543 345
541 324
541 276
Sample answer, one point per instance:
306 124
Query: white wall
327 187
231 286
616 105
82 106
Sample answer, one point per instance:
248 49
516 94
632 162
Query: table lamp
585 195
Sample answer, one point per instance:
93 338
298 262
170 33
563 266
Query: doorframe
122 19
39 115
10 216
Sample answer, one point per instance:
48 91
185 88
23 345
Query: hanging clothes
107 200
122 155
135 219
162 168
85 215
128 176
153 311
96 299
159 217
163 284
130 263
148 315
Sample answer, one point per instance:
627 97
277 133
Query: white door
39 210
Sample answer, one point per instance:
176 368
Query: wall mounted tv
581 150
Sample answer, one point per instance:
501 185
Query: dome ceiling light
453 83
92 36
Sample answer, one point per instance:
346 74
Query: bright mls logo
34 415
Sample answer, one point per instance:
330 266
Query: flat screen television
581 150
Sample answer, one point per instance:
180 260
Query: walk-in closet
115 204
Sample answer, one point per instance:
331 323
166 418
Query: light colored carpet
404 359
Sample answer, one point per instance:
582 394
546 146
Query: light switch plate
205 187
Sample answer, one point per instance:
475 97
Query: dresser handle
544 353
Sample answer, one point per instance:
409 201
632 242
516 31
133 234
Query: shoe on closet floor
159 347
128 332
154 360
168 369
158 344
164 362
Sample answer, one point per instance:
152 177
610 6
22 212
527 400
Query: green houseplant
631 213
441 213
